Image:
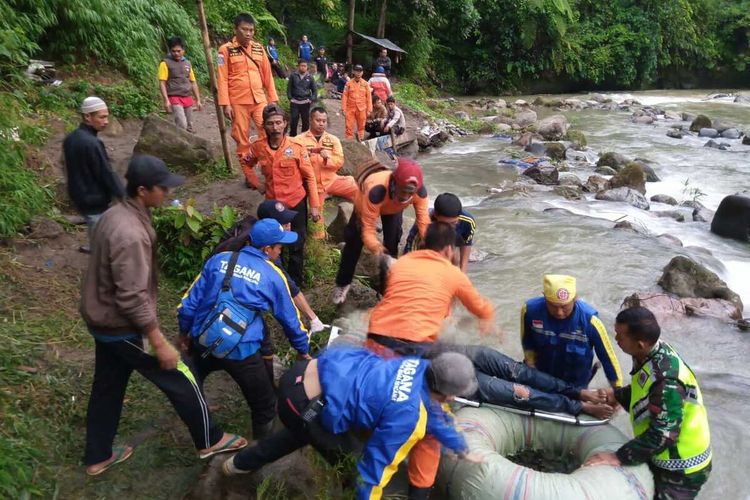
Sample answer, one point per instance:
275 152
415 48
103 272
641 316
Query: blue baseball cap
268 232
380 69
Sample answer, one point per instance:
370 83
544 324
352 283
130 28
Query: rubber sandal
229 469
226 447
121 453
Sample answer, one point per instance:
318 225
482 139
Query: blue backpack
227 323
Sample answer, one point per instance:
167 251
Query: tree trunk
214 86
350 28
381 21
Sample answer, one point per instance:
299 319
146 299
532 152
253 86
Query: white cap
92 104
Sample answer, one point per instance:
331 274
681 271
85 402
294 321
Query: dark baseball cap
357 67
150 171
274 209
271 110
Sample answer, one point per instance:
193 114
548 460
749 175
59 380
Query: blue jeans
498 375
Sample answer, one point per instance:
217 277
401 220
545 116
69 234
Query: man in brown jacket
118 304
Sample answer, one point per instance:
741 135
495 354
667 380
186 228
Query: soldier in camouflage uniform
666 409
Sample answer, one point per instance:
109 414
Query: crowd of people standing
394 386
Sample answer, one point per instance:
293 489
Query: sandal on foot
229 469
235 443
119 453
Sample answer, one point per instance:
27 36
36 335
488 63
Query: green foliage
186 238
220 17
21 196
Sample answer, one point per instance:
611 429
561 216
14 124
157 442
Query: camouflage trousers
677 486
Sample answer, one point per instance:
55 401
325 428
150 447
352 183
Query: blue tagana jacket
389 397
565 348
258 284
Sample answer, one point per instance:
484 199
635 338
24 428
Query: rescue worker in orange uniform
327 158
356 104
245 82
420 290
289 178
384 194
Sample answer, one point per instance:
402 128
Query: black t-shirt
320 63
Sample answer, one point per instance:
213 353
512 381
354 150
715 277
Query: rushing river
525 243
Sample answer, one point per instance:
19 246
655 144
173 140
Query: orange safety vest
244 75
325 170
357 96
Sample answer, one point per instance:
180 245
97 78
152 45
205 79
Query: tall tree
350 31
381 20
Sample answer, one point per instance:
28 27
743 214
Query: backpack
236 236
226 324
366 168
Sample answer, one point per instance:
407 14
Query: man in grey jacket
118 304
302 92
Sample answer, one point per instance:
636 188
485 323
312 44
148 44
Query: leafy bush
186 238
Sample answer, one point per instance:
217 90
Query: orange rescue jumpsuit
325 170
419 295
356 104
287 170
246 83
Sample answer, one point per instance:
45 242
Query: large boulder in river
648 170
632 176
613 160
732 218
577 139
699 122
731 133
555 150
355 153
702 214
686 278
711 133
663 198
675 133
605 170
663 305
553 128
546 175
626 195
177 147
525 117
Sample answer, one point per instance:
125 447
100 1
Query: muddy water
526 243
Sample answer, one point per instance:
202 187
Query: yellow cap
559 288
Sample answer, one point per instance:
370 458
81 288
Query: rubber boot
419 493
262 430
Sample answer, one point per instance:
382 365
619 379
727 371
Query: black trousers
296 433
252 378
295 254
299 111
276 67
392 229
115 361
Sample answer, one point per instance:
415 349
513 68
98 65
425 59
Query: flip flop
121 453
228 446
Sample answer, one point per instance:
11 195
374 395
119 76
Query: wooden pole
350 32
381 20
214 86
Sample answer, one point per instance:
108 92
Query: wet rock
355 153
612 159
605 171
702 214
720 126
577 139
477 255
536 149
545 175
553 128
359 298
643 120
688 117
648 170
669 240
586 156
600 98
672 115
439 139
626 225
746 141
569 192
568 179
596 183
555 150
723 146
664 305
547 102
525 118
42 228
626 195
675 134
462 115
574 103
686 278
663 198
336 227
742 99
177 147
673 214
520 103
557 211
708 132
732 218
423 141
114 128
632 176
524 139
503 127
731 133
699 122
